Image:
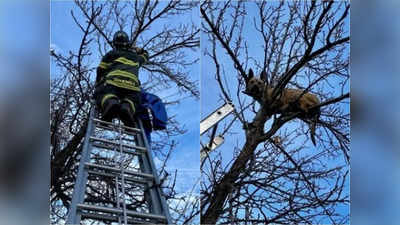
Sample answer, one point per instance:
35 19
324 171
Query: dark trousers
106 91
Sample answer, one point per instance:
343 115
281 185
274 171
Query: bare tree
72 85
275 176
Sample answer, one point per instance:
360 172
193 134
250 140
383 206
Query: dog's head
254 86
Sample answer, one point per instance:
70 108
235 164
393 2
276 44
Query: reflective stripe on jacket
121 68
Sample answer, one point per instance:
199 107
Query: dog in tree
288 101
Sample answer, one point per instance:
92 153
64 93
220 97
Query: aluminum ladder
117 181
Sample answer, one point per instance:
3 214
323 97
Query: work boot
110 111
126 114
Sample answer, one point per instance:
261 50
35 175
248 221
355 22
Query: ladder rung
133 129
116 143
135 180
124 131
144 175
120 211
125 150
110 218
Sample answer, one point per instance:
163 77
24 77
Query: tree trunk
224 188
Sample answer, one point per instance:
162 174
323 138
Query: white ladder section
117 181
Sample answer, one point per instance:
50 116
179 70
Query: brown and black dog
290 100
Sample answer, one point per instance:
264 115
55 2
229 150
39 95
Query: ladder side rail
161 203
122 174
117 197
81 178
150 194
114 162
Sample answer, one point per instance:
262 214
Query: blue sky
66 36
210 92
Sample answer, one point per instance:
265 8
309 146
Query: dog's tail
313 126
312 132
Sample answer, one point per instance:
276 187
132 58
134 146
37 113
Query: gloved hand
139 50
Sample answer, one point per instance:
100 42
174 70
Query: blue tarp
157 108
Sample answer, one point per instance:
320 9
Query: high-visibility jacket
121 68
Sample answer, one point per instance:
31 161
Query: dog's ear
263 76
251 74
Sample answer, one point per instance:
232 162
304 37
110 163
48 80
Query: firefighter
117 91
